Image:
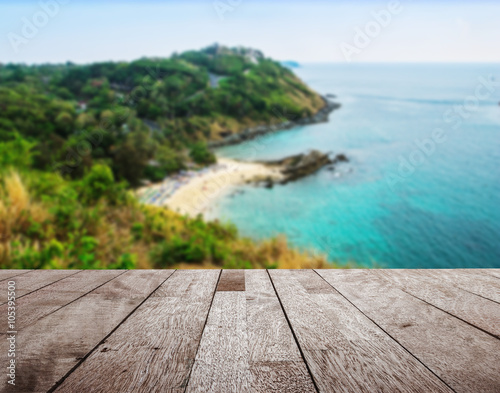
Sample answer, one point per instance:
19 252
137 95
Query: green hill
147 111
75 138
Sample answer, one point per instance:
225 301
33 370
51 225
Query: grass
47 222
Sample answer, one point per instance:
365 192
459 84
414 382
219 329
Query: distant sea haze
422 189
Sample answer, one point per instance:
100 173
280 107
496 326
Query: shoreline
322 116
194 192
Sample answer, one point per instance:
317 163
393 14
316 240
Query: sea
422 185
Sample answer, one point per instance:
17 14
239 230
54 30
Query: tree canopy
152 110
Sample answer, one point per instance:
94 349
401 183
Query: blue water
446 214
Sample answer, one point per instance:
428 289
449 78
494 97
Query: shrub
201 154
137 230
57 230
125 262
16 153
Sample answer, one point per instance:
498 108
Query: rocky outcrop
340 158
250 133
301 165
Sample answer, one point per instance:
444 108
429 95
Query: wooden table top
253 331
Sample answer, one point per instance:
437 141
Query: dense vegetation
74 139
144 118
94 222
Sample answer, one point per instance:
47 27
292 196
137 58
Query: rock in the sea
269 183
340 158
297 166
301 165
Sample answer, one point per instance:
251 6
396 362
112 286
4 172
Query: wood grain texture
5 274
466 358
49 349
270 337
276 364
345 351
231 280
477 311
154 349
289 377
247 345
475 282
36 305
491 272
222 362
36 279
160 331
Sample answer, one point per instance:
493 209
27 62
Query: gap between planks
153 349
75 367
463 356
29 283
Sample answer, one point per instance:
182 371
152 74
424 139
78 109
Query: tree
16 153
97 182
64 122
201 154
169 159
132 156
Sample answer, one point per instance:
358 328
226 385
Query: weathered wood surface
231 280
154 349
466 358
6 274
478 311
346 352
37 279
492 272
45 301
255 331
59 341
247 345
472 281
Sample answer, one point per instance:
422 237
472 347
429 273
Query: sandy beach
194 192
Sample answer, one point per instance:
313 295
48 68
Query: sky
56 31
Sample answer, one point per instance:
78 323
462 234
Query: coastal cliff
250 133
142 122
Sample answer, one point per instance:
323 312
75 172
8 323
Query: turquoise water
445 214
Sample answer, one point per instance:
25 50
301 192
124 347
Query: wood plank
247 345
154 349
36 305
5 274
345 351
53 346
491 272
477 311
276 364
231 280
466 358
290 377
37 279
269 334
469 280
222 362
